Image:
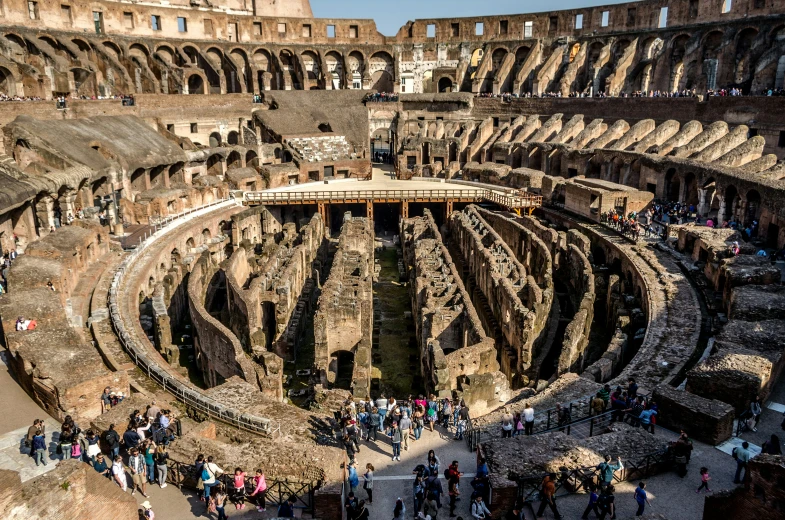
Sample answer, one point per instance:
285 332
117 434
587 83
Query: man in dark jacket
131 439
112 439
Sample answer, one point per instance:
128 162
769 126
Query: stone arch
311 69
334 64
165 53
206 235
243 65
113 48
190 244
380 68
82 45
288 62
710 203
710 57
444 85
7 82
732 200
233 138
234 160
265 69
752 207
678 51
691 196
138 180
177 173
215 140
672 185
196 83
251 159
214 166
743 66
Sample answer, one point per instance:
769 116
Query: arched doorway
445 85
753 207
672 185
731 203
215 140
195 84
7 83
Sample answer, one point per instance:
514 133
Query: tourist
705 478
238 491
563 415
152 411
742 457
399 511
138 468
112 439
100 465
405 426
607 470
350 505
38 447
351 431
368 482
395 439
148 449
381 406
418 421
93 449
210 474
432 463
118 472
350 447
374 423
646 419
772 446
607 502
220 502
642 498
161 456
755 410
682 450
260 490
148 510
352 477
434 486
362 512
143 426
453 476
547 496
286 510
106 401
430 508
516 513
528 419
446 413
37 425
507 423
480 510
64 443
430 413
597 405
418 491
592 505
131 438
76 448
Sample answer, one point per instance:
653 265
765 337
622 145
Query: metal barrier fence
577 479
192 397
184 475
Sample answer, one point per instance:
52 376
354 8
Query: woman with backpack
161 456
210 474
606 502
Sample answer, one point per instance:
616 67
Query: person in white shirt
118 473
528 419
213 472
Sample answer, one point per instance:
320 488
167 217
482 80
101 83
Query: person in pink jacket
260 489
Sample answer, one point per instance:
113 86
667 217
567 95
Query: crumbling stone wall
344 316
515 299
87 494
761 496
219 352
746 360
54 363
455 352
707 420
580 279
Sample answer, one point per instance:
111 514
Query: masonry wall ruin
343 323
456 354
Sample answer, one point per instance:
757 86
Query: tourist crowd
381 97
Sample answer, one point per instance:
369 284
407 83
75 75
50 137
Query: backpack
205 473
603 501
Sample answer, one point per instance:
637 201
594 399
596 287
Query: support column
721 212
448 210
369 209
703 207
44 210
404 209
67 205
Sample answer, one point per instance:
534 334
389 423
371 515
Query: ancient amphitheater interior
255 219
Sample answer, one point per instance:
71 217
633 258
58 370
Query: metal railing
184 393
278 491
509 199
578 479
544 421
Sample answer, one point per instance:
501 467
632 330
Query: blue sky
390 15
